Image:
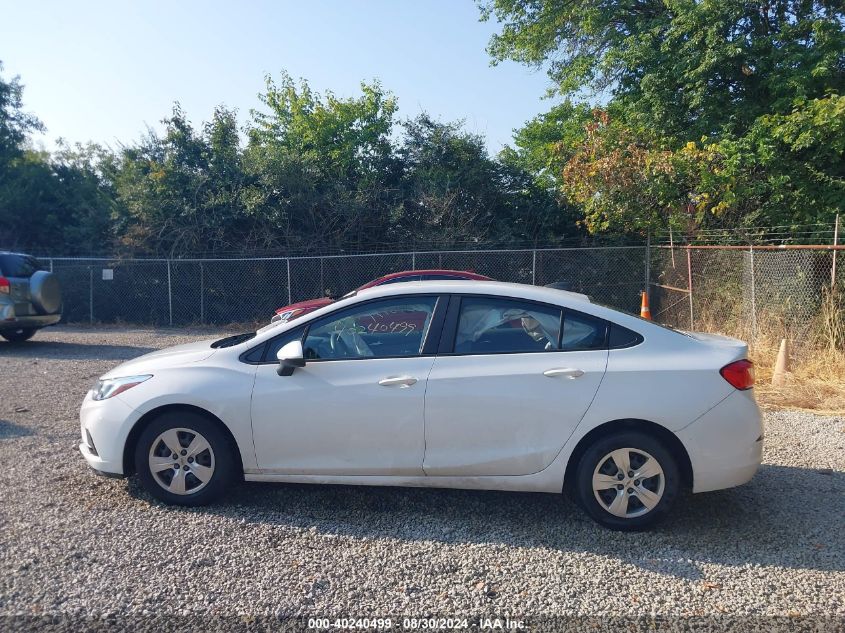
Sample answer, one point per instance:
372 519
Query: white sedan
452 384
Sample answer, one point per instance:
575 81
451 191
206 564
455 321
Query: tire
20 335
203 475
641 502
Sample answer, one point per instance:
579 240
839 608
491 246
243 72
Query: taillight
739 373
5 286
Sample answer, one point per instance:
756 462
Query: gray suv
30 297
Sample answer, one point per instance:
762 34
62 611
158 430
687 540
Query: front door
357 406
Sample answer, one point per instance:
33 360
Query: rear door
511 382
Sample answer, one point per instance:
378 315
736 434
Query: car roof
563 298
505 289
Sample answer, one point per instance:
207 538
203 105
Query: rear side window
19 266
503 326
621 337
582 332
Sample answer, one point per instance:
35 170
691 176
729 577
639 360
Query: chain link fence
746 292
224 291
741 291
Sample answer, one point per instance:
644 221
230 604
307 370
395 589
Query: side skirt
538 482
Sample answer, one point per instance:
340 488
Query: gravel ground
75 543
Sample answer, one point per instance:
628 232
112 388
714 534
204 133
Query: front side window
280 341
503 326
394 327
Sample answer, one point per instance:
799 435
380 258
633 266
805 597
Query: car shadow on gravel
59 350
786 517
10 429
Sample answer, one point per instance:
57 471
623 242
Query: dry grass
816 378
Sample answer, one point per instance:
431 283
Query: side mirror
290 357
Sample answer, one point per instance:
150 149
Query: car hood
164 359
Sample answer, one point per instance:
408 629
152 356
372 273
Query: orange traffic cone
645 312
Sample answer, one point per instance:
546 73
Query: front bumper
725 445
104 426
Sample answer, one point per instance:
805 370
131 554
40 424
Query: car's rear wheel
184 458
20 335
627 481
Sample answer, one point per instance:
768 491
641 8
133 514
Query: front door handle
566 372
398 381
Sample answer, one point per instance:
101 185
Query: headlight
108 387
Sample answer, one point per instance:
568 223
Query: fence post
290 301
648 265
835 243
90 294
51 264
689 275
753 298
534 268
413 260
202 293
169 295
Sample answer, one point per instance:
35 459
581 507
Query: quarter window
582 332
621 337
501 326
393 327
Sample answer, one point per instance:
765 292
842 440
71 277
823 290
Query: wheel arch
666 437
149 416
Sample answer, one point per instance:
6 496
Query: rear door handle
398 381
565 372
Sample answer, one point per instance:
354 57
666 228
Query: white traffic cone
781 365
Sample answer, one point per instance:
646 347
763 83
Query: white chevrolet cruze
445 384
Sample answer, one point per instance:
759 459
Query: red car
296 310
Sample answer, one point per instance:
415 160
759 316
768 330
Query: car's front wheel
627 481
20 335
184 458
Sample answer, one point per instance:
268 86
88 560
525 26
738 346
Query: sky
103 71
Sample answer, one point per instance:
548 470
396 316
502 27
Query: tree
326 164
688 68
713 110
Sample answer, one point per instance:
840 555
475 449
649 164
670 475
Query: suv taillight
739 373
5 286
